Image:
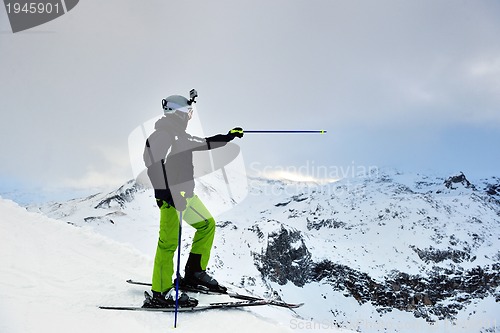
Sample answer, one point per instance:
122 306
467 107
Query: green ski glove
236 132
180 201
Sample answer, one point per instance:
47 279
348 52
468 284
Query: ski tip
130 281
294 306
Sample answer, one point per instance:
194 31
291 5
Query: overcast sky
408 84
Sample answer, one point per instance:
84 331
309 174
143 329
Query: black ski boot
167 300
196 278
202 281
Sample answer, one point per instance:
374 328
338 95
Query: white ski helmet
176 103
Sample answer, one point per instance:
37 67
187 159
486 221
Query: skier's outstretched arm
220 140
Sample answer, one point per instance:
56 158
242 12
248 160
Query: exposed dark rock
226 224
435 255
324 223
299 198
442 294
286 258
295 198
103 219
256 229
458 179
493 189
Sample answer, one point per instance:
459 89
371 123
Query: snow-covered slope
386 251
53 276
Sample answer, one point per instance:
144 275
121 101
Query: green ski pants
197 216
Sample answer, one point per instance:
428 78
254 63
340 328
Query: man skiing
171 174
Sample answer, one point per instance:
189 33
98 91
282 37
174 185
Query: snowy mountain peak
117 199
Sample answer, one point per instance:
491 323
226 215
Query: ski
210 306
230 294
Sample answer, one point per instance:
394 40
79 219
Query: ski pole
178 275
285 131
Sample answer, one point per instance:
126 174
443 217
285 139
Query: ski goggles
172 107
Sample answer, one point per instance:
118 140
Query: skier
171 174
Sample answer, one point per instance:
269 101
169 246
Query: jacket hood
172 123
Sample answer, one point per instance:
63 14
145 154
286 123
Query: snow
377 224
53 276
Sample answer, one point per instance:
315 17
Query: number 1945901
32 8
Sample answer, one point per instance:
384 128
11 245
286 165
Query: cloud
485 75
380 76
93 178
109 166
